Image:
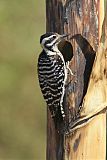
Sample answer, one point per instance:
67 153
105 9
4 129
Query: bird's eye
54 36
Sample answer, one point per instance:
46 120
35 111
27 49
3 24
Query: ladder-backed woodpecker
52 74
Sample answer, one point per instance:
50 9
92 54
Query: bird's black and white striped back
51 73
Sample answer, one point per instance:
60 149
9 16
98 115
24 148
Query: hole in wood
89 55
66 49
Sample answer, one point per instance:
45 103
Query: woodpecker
52 74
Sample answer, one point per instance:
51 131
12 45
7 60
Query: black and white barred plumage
52 74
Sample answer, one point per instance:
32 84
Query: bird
53 68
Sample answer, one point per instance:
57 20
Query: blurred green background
22 108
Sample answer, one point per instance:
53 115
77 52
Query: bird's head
50 41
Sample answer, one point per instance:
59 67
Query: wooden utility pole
82 19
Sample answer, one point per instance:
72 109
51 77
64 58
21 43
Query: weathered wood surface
80 17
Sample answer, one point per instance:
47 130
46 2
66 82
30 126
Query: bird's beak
61 37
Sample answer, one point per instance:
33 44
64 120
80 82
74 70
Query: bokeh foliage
22 108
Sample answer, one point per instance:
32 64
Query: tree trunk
88 88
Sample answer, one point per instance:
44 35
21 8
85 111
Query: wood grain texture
87 143
80 18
